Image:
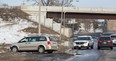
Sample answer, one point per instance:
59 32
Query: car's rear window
107 34
83 38
104 38
52 39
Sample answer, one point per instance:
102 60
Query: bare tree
52 2
87 23
95 23
4 4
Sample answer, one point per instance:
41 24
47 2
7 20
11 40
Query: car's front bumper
80 45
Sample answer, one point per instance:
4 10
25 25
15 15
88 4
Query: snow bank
10 33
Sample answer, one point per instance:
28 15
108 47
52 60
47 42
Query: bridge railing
69 9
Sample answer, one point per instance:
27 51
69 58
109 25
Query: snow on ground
10 33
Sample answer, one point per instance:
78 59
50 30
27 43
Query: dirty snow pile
10 32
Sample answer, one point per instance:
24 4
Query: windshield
83 38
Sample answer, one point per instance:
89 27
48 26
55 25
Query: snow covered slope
11 32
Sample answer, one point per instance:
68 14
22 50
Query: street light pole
39 21
64 23
61 20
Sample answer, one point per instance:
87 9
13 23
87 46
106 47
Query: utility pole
39 21
61 20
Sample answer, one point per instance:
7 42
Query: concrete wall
35 17
111 25
52 25
56 27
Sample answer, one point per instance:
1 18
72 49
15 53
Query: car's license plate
104 42
79 45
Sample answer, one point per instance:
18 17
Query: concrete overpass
70 12
82 13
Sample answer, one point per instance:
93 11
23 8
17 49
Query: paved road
104 54
87 55
108 55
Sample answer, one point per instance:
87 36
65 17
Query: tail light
110 41
99 41
48 42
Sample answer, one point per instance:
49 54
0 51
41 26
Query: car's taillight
48 42
110 41
99 41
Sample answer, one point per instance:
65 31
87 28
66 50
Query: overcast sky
81 3
96 3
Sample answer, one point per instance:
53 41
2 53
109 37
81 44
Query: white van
36 43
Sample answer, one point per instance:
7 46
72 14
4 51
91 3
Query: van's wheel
98 48
87 47
41 49
91 47
79 48
111 48
14 49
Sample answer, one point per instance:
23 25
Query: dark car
96 35
107 33
105 41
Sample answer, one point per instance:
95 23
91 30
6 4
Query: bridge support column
105 28
111 25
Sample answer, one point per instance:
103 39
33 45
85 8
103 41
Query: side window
42 39
91 38
23 40
32 39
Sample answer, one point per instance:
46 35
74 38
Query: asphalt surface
108 55
87 54
105 54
